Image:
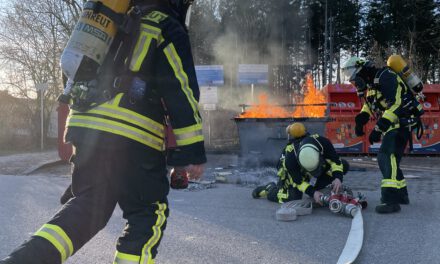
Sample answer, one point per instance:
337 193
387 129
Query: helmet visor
351 67
348 72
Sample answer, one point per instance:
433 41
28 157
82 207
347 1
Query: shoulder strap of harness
131 28
377 77
321 148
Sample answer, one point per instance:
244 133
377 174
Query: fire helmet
181 8
310 157
296 130
352 69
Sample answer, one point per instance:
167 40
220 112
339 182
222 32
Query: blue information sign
253 74
210 75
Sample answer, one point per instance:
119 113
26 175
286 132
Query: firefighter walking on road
119 135
308 164
388 99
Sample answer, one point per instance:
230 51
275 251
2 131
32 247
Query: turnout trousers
102 178
393 186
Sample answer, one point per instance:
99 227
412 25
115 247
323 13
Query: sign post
209 77
253 74
41 87
209 100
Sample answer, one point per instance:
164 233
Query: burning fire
305 109
265 110
311 96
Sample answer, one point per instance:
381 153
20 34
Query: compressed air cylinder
91 39
398 64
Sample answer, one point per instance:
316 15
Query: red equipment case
344 106
429 143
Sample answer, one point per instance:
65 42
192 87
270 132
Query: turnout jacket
162 58
300 178
389 99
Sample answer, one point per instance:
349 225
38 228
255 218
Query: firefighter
386 98
308 163
119 155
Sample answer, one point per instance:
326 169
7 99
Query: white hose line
354 241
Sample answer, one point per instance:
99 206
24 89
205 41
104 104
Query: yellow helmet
296 130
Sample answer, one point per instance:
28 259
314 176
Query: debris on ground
200 185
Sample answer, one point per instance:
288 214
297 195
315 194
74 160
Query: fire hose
348 205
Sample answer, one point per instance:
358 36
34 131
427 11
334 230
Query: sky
4 3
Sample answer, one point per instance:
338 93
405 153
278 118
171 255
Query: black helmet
180 8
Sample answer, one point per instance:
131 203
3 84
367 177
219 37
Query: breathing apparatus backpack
102 38
398 65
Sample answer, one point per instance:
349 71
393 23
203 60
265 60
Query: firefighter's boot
404 199
262 191
387 208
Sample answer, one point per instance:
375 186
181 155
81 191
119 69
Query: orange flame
265 110
311 96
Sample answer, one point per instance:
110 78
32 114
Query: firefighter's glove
375 135
317 197
361 119
179 178
383 124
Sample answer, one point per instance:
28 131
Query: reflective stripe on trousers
58 238
122 258
146 256
390 183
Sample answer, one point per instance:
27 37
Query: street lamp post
41 87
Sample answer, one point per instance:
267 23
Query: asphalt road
225 225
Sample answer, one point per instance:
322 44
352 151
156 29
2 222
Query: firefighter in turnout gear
286 192
308 163
388 99
119 147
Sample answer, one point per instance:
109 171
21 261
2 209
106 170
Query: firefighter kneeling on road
388 99
308 164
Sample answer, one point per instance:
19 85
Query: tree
407 27
204 28
32 37
341 31
345 31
